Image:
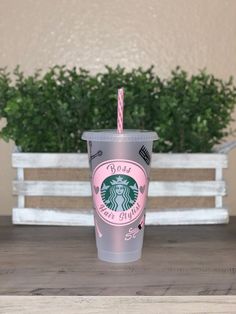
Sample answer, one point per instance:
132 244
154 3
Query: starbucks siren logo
119 189
119 192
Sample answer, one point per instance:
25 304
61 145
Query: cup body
120 167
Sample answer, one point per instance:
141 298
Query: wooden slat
63 217
72 160
186 188
50 160
52 188
50 216
190 216
225 148
82 188
188 161
69 217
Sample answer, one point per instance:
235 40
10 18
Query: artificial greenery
48 112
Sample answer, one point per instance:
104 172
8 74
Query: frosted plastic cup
120 166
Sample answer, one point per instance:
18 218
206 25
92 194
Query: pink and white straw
120 110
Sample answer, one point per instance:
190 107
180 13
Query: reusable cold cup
120 166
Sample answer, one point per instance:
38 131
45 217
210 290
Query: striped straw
120 110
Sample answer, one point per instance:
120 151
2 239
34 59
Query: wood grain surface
61 261
117 305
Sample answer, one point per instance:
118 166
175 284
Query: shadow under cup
120 166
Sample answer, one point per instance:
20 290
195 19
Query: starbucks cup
120 167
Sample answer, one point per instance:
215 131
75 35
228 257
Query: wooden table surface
61 261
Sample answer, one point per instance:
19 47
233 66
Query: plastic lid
125 136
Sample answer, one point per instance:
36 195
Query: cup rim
128 135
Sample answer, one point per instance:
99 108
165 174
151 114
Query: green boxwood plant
48 112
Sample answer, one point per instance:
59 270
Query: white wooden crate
53 216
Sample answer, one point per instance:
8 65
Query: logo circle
119 188
119 192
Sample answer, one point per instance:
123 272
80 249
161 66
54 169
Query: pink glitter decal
119 191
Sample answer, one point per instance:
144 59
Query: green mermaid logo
119 192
